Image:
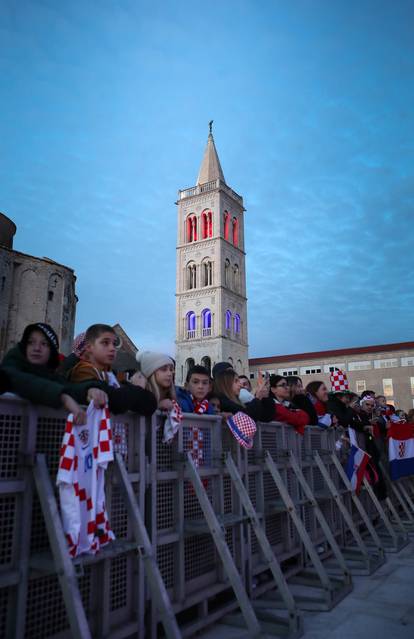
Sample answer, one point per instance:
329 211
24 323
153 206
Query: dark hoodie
41 384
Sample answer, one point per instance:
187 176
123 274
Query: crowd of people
35 370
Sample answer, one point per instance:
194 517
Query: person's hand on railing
165 404
79 415
98 397
138 379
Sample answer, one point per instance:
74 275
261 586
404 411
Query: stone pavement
379 607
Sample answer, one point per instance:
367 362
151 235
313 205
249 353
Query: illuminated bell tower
211 309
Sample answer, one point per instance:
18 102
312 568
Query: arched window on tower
191 228
227 273
191 324
207 273
228 320
237 324
230 360
206 320
206 224
235 231
189 364
226 225
191 275
236 278
206 362
240 369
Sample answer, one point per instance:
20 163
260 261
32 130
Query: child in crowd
193 398
227 389
283 411
245 394
96 352
31 368
159 369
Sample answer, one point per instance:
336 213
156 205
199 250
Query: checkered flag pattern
84 456
243 428
196 437
339 381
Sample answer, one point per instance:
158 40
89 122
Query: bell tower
211 308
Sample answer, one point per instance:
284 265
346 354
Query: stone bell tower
211 276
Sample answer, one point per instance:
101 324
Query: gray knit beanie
149 362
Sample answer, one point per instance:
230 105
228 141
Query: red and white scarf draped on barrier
84 456
196 434
172 423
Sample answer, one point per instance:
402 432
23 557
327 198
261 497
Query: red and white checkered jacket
84 456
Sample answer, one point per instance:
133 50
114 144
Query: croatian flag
355 469
401 450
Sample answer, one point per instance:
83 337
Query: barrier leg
65 570
321 518
219 538
333 588
155 580
361 510
397 541
295 624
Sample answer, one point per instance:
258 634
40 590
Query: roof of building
210 168
381 348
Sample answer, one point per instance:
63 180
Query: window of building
385 363
287 372
227 273
387 387
236 278
228 320
329 368
360 386
207 273
207 224
206 362
226 225
412 384
239 366
407 361
50 295
230 360
191 324
191 275
307 370
252 377
237 323
206 321
192 228
235 231
360 366
190 363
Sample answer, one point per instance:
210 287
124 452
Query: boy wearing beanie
97 350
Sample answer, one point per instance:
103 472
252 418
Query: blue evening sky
104 112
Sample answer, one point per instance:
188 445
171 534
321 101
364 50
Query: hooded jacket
41 384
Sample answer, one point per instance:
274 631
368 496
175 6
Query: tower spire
210 168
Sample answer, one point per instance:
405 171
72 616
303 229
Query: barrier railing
118 598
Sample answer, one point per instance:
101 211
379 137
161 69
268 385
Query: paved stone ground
379 607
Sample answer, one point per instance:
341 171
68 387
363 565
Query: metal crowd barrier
280 487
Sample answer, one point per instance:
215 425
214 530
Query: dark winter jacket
304 403
5 384
186 403
40 384
127 397
345 415
261 410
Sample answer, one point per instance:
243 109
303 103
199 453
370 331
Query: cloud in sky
104 117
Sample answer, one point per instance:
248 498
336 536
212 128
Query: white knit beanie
149 362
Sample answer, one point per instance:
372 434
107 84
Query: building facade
211 303
33 289
387 369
